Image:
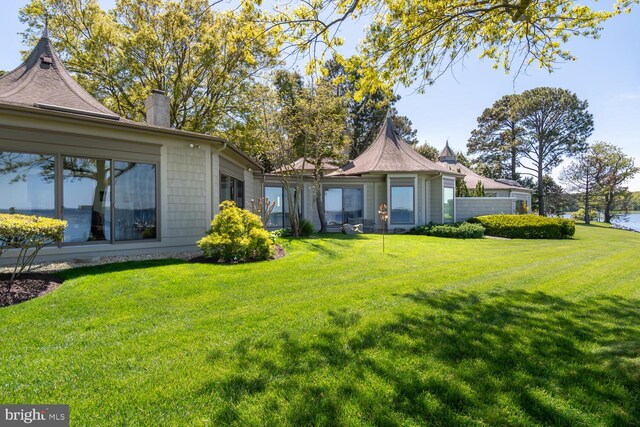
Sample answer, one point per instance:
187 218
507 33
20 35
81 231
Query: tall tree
611 169
579 177
556 123
417 41
497 139
202 57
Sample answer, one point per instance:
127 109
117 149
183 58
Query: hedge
463 230
526 226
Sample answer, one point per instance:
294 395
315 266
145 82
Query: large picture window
402 206
27 184
101 199
232 189
135 201
342 204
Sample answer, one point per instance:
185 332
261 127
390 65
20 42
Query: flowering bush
236 235
28 234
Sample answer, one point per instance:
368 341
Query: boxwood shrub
463 230
526 226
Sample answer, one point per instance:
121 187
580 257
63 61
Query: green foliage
526 226
236 235
428 151
283 232
461 188
463 230
478 191
497 139
306 228
206 59
579 215
28 234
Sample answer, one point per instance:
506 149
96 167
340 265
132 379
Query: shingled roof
42 81
390 154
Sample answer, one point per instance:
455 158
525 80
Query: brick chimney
157 106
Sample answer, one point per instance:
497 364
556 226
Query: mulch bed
203 260
26 287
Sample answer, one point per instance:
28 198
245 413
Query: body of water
631 220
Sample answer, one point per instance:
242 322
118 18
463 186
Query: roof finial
45 33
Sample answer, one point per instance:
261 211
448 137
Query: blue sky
606 74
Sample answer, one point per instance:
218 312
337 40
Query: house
124 187
416 190
129 188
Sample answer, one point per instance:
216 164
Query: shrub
236 235
463 230
579 215
526 226
306 228
28 234
283 232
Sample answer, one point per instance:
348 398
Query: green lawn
434 332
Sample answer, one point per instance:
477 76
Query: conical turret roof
42 81
389 154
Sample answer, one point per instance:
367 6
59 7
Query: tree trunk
96 232
320 206
587 214
541 207
608 203
514 163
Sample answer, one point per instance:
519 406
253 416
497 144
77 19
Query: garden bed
26 287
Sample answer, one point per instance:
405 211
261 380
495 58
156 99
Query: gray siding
468 207
186 192
436 200
229 168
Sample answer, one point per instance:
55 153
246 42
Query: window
448 201
86 189
279 217
342 204
27 184
402 210
232 189
135 201
102 200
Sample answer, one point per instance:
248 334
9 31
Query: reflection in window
135 201
279 217
86 199
232 189
448 204
342 205
27 183
402 205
